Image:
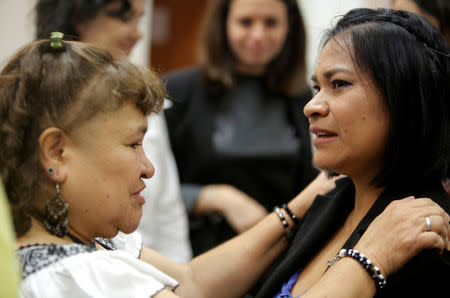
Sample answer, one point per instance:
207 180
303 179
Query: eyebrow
328 74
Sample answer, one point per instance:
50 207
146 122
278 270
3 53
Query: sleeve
182 87
164 224
426 275
190 194
98 274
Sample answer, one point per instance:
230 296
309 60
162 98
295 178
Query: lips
322 135
139 197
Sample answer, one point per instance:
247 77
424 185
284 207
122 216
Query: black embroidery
33 258
105 242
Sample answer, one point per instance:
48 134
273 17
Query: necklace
104 242
77 240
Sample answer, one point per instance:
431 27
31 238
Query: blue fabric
287 286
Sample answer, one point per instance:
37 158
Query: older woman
113 25
72 121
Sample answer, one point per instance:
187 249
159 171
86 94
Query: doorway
175 33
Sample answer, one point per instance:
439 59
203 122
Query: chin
323 164
326 161
131 225
129 228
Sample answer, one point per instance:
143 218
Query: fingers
407 199
435 224
431 240
438 227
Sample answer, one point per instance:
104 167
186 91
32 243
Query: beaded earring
56 211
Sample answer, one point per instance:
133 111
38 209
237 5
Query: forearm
231 269
347 278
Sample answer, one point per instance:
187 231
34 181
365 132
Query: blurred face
410 5
105 168
118 35
347 116
256 31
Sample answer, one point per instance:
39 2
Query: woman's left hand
401 231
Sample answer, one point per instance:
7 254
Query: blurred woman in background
240 141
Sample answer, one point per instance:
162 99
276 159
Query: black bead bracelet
374 271
284 222
290 213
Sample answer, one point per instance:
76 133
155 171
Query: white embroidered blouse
77 270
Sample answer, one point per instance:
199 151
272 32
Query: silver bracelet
283 221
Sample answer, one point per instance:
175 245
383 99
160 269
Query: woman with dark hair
437 12
240 144
113 25
380 115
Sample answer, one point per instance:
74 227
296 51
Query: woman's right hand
400 232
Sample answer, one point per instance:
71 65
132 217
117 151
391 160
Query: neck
365 196
74 235
250 70
78 237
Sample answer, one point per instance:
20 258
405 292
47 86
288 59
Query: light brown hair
43 87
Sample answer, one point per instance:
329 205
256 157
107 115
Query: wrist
288 219
373 271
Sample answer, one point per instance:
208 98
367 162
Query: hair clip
55 40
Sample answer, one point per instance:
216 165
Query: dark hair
285 74
408 60
65 15
43 87
440 9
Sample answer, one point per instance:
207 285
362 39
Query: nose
316 107
258 31
147 168
135 33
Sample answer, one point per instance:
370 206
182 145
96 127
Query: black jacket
272 178
426 275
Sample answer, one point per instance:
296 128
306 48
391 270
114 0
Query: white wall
17 28
17 24
318 16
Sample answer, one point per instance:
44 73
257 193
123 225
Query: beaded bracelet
283 221
290 213
374 271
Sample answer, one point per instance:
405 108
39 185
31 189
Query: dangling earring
56 214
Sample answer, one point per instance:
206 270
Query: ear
53 143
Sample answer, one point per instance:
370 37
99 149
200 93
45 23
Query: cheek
279 37
235 39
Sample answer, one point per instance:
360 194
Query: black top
424 276
247 137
